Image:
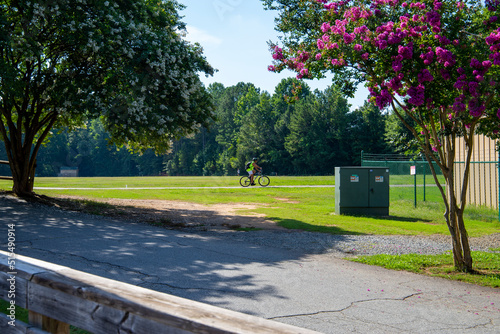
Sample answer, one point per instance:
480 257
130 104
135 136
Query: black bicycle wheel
264 181
245 181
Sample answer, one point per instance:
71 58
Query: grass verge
486 273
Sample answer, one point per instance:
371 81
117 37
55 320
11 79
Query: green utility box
362 191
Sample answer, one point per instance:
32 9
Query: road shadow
206 266
395 218
179 215
300 225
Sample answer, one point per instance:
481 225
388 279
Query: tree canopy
126 62
433 62
309 137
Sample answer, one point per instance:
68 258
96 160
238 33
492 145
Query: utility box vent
362 191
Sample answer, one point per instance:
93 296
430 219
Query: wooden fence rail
3 162
57 296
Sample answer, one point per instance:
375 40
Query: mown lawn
311 209
486 266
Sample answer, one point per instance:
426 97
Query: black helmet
255 159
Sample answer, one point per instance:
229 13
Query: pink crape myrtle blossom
416 32
321 44
408 39
425 75
278 53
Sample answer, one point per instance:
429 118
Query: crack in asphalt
345 308
487 323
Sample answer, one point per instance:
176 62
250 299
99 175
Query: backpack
248 165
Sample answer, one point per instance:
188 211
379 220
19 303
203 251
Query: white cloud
202 37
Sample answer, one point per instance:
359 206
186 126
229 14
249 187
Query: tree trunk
445 147
454 219
454 205
22 142
24 181
22 165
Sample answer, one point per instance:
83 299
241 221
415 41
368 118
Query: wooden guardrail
4 162
57 296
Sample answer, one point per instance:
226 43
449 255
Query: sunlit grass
311 209
486 266
191 181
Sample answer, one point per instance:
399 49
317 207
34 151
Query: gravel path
356 245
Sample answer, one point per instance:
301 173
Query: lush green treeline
88 150
310 136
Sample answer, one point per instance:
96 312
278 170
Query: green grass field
193 181
486 266
310 209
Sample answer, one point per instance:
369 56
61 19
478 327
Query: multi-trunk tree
126 62
434 62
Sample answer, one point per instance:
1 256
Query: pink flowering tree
436 61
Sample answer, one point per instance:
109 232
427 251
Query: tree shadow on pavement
207 266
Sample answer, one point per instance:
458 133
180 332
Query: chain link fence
398 164
484 180
401 165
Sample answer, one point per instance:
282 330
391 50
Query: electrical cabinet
362 191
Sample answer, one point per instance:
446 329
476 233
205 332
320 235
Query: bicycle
262 179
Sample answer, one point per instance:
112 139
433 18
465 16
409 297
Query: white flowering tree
63 62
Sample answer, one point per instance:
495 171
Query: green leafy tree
437 61
399 138
320 134
368 132
283 108
230 111
249 112
88 149
65 61
303 143
53 154
256 134
181 160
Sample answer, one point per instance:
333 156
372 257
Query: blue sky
234 35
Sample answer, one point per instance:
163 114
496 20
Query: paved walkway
315 291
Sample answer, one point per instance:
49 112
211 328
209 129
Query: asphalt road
315 291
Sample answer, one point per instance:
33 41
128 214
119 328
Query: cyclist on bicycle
252 169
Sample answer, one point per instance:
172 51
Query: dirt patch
286 200
172 213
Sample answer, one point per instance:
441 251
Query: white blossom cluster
93 57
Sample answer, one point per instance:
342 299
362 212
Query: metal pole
424 182
415 186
